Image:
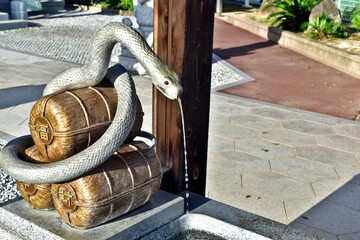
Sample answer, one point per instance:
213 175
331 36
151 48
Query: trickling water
185 158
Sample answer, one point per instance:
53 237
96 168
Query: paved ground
270 160
289 79
293 166
296 167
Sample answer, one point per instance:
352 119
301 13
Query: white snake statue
163 77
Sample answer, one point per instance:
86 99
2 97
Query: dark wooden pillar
183 34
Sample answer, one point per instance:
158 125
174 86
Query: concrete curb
4 16
104 10
13 24
339 59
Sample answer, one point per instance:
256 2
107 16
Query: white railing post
247 3
219 4
339 3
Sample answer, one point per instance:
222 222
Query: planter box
341 60
104 10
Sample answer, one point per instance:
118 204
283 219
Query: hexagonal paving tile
339 142
215 118
303 169
307 127
325 187
23 109
218 179
323 119
315 231
245 103
356 179
347 195
327 155
238 161
277 186
348 130
351 236
276 113
147 93
339 220
220 144
288 137
142 82
296 208
232 131
347 173
257 122
264 149
217 98
253 202
228 109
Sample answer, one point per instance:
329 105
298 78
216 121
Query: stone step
4 16
12 24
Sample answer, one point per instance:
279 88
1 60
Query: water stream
187 196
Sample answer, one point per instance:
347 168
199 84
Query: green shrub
356 17
291 14
118 4
126 5
323 27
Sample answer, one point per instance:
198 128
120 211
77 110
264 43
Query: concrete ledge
50 6
13 24
19 219
104 10
339 59
4 16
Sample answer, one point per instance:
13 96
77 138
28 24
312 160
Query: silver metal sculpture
163 77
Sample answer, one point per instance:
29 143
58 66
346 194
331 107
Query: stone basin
211 227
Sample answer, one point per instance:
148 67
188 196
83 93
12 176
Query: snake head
167 82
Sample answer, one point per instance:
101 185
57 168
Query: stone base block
18 219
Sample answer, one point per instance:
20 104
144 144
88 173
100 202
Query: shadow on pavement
336 216
242 50
10 97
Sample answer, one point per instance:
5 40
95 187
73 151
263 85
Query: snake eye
166 82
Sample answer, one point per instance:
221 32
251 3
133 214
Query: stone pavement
296 167
292 166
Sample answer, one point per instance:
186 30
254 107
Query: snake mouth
173 93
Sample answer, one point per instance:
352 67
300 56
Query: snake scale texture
163 77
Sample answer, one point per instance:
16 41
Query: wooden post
183 37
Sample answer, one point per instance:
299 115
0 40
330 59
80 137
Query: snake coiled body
163 77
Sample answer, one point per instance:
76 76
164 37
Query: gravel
8 188
67 36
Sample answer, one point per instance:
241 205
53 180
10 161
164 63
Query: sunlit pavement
292 166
